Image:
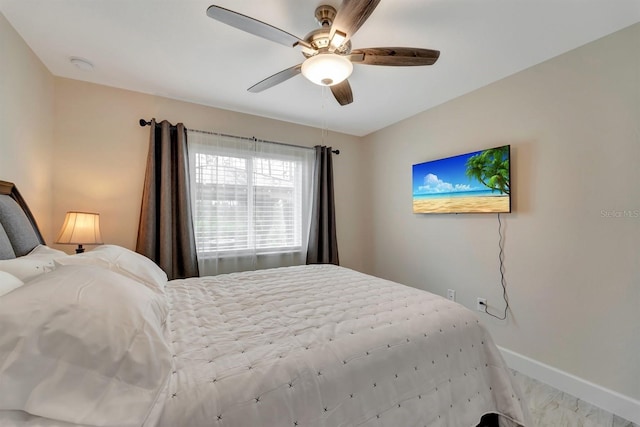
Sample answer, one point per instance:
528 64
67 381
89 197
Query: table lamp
80 228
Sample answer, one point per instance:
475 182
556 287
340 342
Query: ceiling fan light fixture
327 69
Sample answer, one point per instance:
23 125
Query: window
249 197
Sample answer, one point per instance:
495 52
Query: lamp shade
327 69
80 228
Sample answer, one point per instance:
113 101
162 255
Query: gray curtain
165 233
323 243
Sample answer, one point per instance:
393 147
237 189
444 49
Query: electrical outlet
481 304
451 294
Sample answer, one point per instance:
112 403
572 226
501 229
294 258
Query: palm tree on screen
491 168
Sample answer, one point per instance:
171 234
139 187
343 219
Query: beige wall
572 271
26 123
101 154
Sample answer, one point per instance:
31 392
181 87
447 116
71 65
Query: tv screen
477 182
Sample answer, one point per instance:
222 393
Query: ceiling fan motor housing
319 40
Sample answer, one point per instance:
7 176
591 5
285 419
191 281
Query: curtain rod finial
144 123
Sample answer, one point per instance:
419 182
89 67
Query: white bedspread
325 346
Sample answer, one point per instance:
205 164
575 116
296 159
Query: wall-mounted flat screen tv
477 182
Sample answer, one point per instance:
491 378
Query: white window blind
250 198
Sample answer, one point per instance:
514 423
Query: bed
103 339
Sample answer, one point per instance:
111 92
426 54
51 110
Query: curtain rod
144 123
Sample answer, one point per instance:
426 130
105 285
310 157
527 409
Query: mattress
326 346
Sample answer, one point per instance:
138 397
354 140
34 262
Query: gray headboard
19 233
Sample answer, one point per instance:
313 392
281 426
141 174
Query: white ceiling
171 48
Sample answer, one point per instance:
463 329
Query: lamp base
79 249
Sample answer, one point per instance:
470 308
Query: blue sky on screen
444 176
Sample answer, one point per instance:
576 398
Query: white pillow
123 261
83 345
8 282
36 262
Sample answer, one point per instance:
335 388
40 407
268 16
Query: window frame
298 199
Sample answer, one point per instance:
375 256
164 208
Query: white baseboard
609 400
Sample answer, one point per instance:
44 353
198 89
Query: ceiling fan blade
342 92
395 56
275 79
349 18
253 26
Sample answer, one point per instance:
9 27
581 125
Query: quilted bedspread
325 346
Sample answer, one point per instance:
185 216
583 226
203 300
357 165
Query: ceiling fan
329 57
